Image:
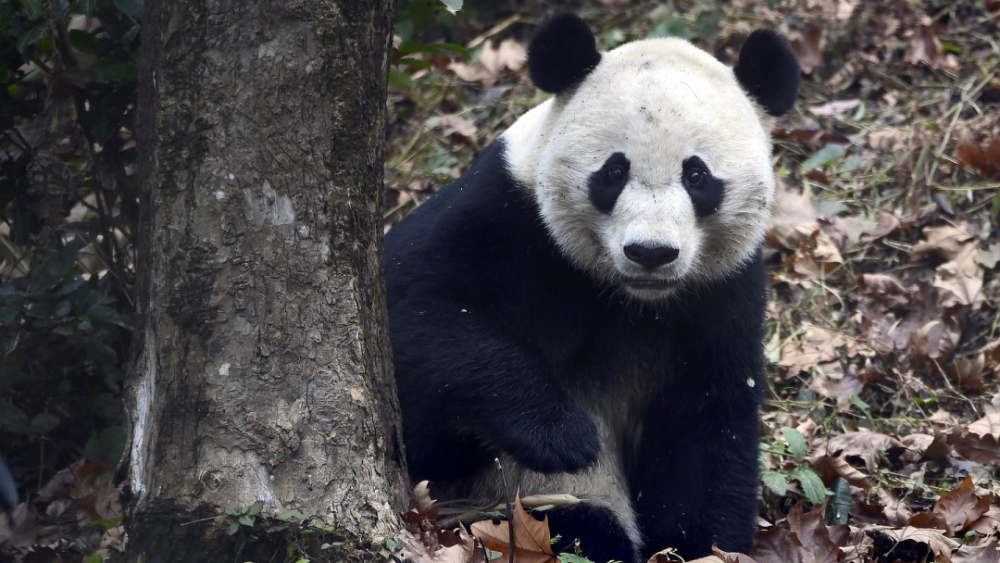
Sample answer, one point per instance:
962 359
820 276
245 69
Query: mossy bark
261 368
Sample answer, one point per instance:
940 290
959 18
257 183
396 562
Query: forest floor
883 425
883 340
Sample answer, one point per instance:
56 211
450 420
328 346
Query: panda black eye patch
606 184
705 190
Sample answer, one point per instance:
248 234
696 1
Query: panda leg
601 534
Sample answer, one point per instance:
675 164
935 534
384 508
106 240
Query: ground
883 427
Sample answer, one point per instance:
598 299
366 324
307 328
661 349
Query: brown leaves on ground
424 541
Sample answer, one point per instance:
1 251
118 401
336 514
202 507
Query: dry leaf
887 140
532 539
834 108
947 242
808 48
811 531
456 124
831 467
794 219
989 523
887 290
961 507
868 446
816 346
925 48
894 509
986 160
987 553
422 497
912 544
958 288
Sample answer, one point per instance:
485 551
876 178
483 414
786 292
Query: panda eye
695 177
616 174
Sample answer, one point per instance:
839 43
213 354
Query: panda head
651 165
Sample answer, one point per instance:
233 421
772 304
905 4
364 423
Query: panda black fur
587 301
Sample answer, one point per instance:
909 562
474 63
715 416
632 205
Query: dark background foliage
67 225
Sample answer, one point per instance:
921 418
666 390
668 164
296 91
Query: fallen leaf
532 539
831 467
887 290
935 340
984 157
810 530
816 346
989 523
948 242
894 509
987 553
887 139
422 497
958 288
456 124
990 257
777 545
808 48
925 48
834 108
794 219
840 388
962 507
868 446
912 544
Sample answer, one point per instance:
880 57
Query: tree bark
261 368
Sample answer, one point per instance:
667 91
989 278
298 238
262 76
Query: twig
951 388
510 514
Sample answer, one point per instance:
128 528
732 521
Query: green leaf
95 559
233 527
88 7
44 423
256 507
247 520
840 508
400 80
132 8
34 8
453 6
674 27
106 446
573 558
796 442
29 37
824 157
302 561
812 485
856 401
111 70
777 482
293 515
83 41
10 304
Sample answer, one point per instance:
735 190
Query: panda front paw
566 443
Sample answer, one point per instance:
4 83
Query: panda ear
562 53
769 71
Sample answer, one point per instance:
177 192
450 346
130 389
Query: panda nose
651 257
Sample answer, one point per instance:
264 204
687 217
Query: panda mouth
648 283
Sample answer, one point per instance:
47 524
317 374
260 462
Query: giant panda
586 303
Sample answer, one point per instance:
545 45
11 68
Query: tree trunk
261 369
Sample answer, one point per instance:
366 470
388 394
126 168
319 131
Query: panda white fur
587 302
